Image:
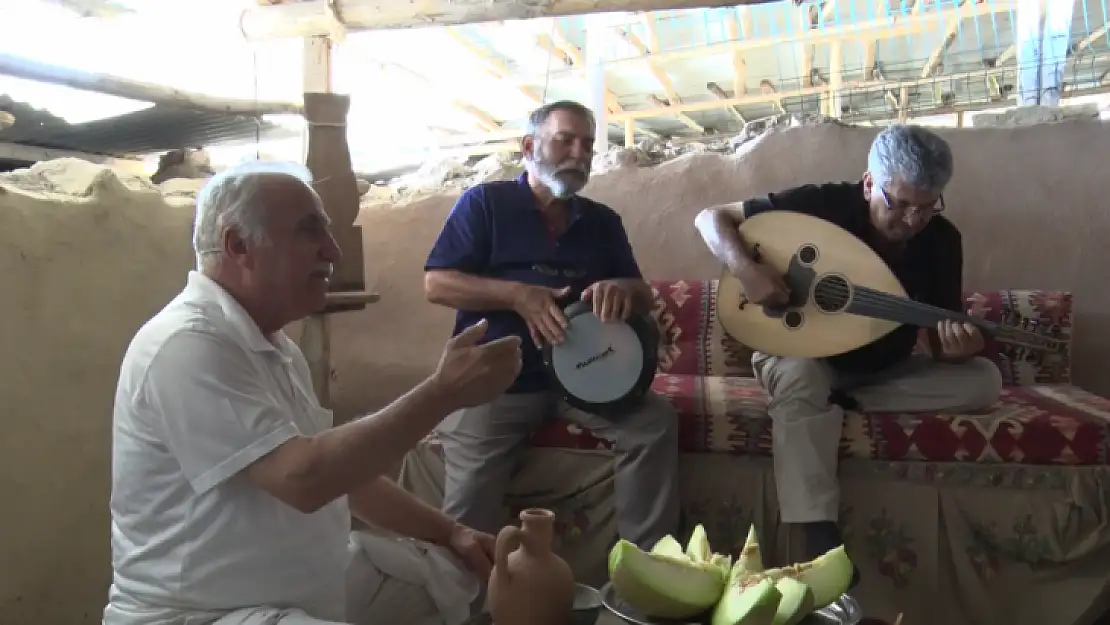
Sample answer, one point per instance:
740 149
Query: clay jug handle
508 540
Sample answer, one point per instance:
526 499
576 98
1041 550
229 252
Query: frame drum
604 368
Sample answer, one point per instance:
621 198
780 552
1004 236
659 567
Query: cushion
1031 425
694 343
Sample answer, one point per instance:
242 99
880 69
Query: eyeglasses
917 211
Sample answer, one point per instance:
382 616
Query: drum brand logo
596 357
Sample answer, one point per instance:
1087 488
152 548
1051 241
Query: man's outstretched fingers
471 335
505 343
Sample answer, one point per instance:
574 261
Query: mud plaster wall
87 265
85 261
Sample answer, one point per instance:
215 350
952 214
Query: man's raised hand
472 374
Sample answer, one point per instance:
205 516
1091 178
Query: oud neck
908 311
901 310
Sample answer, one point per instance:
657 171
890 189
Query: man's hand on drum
612 300
541 310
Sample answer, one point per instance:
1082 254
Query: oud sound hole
807 255
831 294
792 320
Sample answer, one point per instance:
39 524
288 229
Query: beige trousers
372 599
481 448
807 428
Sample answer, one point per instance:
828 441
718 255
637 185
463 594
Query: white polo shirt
202 394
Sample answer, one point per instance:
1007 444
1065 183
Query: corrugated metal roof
155 129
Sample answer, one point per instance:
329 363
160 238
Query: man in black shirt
895 209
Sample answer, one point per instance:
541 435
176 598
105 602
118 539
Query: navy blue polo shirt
496 230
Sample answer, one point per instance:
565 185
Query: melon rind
756 604
662 586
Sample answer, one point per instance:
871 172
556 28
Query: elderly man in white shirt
232 490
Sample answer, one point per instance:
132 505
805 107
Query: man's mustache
574 167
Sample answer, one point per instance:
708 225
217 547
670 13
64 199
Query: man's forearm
718 228
345 458
461 291
388 506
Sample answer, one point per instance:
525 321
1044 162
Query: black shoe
822 537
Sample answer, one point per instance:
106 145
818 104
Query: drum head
604 368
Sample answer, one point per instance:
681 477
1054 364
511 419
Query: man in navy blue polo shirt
516 252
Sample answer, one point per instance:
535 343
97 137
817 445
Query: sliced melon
668 546
751 558
796 602
664 586
697 549
828 576
723 561
752 600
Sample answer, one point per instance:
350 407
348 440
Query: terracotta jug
530 584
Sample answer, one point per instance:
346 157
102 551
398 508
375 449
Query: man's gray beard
562 187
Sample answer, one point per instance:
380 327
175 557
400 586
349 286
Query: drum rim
645 328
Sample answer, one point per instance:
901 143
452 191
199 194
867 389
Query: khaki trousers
482 445
807 427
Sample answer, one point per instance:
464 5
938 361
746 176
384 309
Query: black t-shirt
930 268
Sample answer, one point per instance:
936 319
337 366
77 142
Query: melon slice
751 558
697 549
722 561
668 546
751 600
827 576
796 602
662 585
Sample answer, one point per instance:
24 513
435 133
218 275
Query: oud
842 295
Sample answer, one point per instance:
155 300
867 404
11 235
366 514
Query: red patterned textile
695 343
1030 425
1039 420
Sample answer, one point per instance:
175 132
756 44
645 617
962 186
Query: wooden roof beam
1084 44
19 67
491 64
871 46
720 94
880 28
313 17
937 56
482 119
578 59
557 45
805 19
648 49
979 106
775 96
739 27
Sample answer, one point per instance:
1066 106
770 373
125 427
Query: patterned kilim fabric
1039 420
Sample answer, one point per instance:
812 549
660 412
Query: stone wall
90 255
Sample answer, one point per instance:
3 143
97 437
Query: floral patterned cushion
707 376
695 343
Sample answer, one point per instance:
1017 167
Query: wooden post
328 157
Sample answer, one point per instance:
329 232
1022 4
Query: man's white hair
230 200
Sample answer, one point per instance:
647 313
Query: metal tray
846 611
